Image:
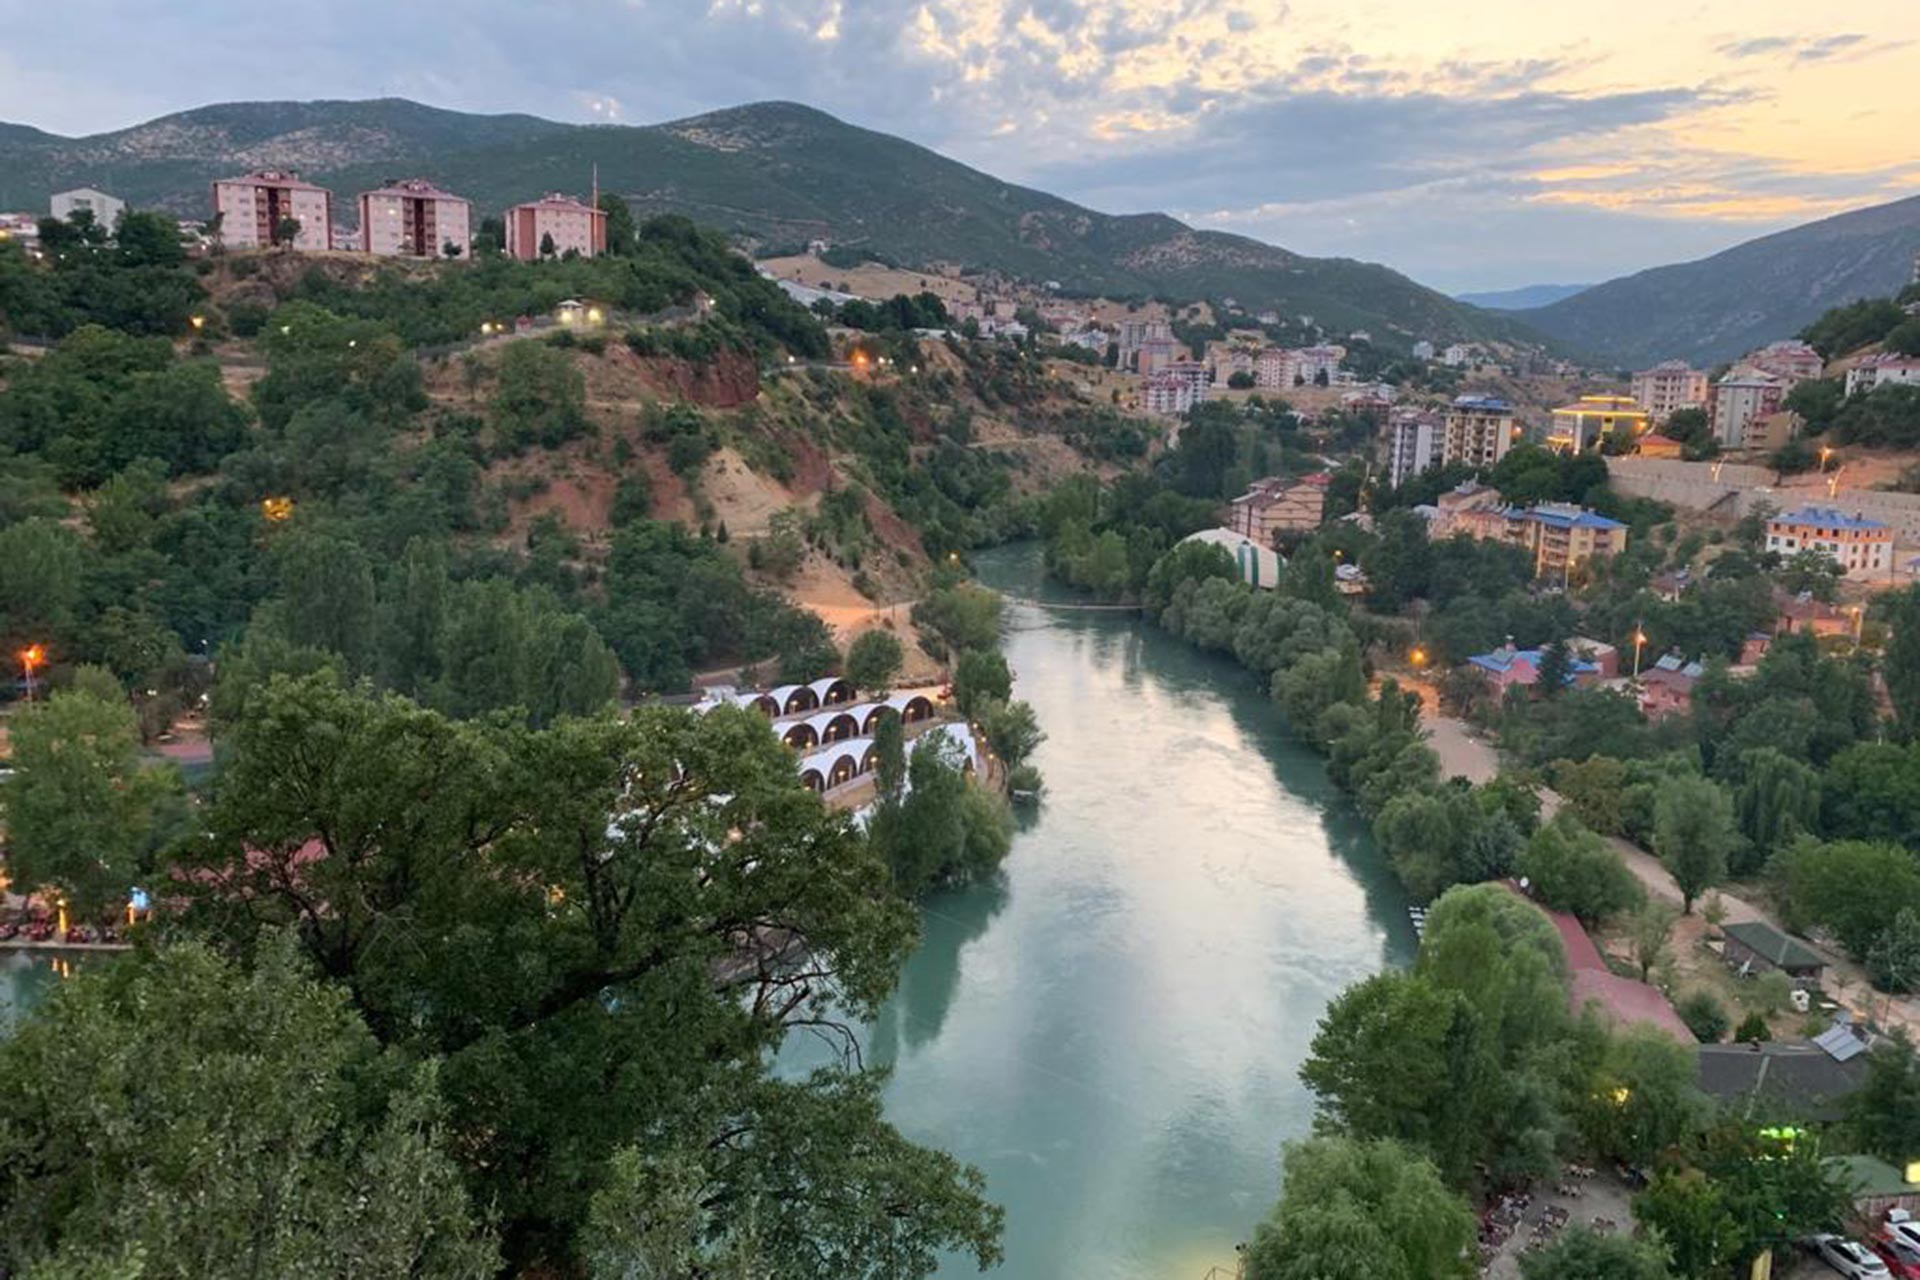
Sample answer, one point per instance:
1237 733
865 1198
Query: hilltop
1716 308
773 175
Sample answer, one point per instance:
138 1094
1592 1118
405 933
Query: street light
33 657
1639 643
1418 656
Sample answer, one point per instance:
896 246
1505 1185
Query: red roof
1623 999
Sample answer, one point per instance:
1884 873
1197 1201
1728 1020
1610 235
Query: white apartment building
251 208
1884 369
1413 440
106 209
414 219
1668 387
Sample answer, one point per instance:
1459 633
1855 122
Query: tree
1556 668
303 1147
1778 802
1883 1114
1778 1188
979 677
1704 1015
623 234
1581 1253
1012 731
873 659
1856 888
604 974
1358 1210
944 831
83 816
1894 958
547 247
1642 1100
1574 870
1692 833
286 231
1649 929
1690 1214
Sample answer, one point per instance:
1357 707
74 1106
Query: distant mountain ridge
775 174
1722 306
1532 295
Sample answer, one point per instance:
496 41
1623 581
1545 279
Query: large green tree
1693 832
172 1115
603 928
1576 871
1358 1210
83 815
1581 1253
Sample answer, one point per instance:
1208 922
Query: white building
1740 399
414 219
251 209
1423 350
1166 393
1315 365
106 209
1258 566
1884 369
1668 387
1457 356
1413 440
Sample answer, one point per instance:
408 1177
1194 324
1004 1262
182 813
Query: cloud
1397 134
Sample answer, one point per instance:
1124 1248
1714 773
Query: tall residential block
573 227
1668 387
1413 438
1477 430
250 208
414 219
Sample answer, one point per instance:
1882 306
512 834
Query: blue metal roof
1830 518
1580 519
1492 403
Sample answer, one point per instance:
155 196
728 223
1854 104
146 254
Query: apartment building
570 227
1740 399
1584 424
1166 393
1413 444
1790 360
1477 430
106 209
1885 369
1668 387
251 209
1278 505
1561 536
1854 542
414 219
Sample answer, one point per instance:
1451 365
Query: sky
1480 145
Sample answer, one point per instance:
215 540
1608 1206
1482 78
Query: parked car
1905 1230
1849 1257
1902 1258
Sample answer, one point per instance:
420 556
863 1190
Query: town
657 728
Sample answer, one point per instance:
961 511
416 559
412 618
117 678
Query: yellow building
1583 425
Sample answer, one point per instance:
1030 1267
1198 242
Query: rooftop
1482 404
1829 518
418 188
272 178
1762 938
1564 515
1796 1072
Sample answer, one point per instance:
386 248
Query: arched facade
794 698
832 691
838 764
912 708
801 736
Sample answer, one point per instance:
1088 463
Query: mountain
1720 307
774 174
1533 295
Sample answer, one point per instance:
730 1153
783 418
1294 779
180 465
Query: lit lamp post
32 658
1418 657
1826 451
1859 615
1639 643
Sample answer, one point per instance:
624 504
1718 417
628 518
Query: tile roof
1782 950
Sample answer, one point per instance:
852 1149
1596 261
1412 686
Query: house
1477 430
1277 505
1668 387
1458 505
1754 947
1885 369
1259 565
1456 356
1656 446
414 219
252 209
1744 394
1803 613
1879 1187
1854 542
558 222
1583 424
20 228
106 209
1671 585
1802 1077
1508 667
1666 688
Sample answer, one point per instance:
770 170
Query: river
1112 1034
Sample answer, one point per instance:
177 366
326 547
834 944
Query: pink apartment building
574 227
414 219
251 207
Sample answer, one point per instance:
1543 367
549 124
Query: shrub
1704 1015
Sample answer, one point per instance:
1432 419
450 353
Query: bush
1704 1015
1752 1029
